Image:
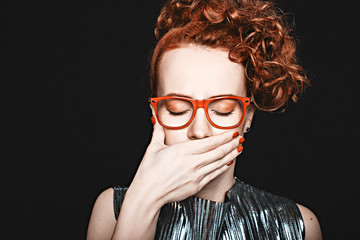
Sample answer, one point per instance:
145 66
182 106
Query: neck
215 190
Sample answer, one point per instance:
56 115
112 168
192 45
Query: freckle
311 219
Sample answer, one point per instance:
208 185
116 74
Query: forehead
200 72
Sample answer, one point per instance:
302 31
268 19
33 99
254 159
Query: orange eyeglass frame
196 103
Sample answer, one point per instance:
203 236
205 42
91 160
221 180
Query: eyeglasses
178 112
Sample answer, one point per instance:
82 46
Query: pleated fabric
247 213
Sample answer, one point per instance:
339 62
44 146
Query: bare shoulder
312 225
102 220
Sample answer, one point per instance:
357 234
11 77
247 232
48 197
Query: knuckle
220 163
193 188
198 187
211 176
195 166
221 152
211 144
196 179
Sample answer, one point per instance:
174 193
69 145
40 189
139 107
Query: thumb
158 135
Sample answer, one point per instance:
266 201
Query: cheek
175 136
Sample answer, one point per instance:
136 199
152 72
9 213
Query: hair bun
254 33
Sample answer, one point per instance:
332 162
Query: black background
75 118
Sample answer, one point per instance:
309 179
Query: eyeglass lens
178 112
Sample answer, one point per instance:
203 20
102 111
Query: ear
250 111
152 110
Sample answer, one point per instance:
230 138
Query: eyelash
223 114
177 113
217 113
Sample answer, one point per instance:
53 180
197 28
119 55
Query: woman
216 62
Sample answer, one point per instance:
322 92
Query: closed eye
222 114
178 113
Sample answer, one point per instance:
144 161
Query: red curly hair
253 32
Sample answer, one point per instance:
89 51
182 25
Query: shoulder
312 225
265 198
102 221
278 211
310 221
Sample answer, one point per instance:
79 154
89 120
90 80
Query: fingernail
240 148
153 120
241 140
230 163
235 134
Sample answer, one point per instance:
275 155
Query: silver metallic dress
246 213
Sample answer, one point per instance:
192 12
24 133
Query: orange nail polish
153 120
230 163
241 140
235 134
240 148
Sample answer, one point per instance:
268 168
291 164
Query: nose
200 127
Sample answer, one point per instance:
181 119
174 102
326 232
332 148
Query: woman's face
200 73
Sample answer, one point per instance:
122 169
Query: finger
207 144
213 166
206 179
158 135
219 152
214 169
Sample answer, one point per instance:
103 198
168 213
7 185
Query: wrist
143 201
137 210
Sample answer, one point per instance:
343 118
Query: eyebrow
187 96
